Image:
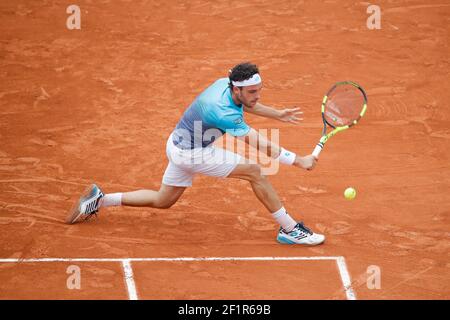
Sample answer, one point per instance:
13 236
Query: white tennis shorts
209 161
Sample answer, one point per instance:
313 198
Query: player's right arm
234 124
273 150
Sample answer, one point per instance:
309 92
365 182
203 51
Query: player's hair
241 72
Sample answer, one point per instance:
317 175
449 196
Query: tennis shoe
88 205
300 235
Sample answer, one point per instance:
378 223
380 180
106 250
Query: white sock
284 219
112 199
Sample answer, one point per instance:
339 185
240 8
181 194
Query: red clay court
97 105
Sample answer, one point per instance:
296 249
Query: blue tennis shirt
212 114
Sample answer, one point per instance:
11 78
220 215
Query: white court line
131 286
129 280
345 276
11 260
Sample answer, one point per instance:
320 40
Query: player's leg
175 180
290 231
93 199
261 186
265 193
164 198
222 163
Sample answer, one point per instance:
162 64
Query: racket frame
325 137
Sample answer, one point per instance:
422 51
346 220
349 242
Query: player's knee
164 204
254 173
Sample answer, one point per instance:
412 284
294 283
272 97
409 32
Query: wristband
287 157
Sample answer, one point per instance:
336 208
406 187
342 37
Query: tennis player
217 110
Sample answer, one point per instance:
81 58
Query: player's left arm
292 115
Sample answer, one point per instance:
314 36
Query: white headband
255 79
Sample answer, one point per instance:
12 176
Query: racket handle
317 150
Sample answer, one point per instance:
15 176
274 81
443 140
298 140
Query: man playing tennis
216 111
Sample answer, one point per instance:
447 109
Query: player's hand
293 115
307 162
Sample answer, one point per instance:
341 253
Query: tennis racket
342 107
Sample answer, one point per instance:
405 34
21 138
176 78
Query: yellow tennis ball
350 193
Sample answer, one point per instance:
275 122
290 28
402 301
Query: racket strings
344 105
